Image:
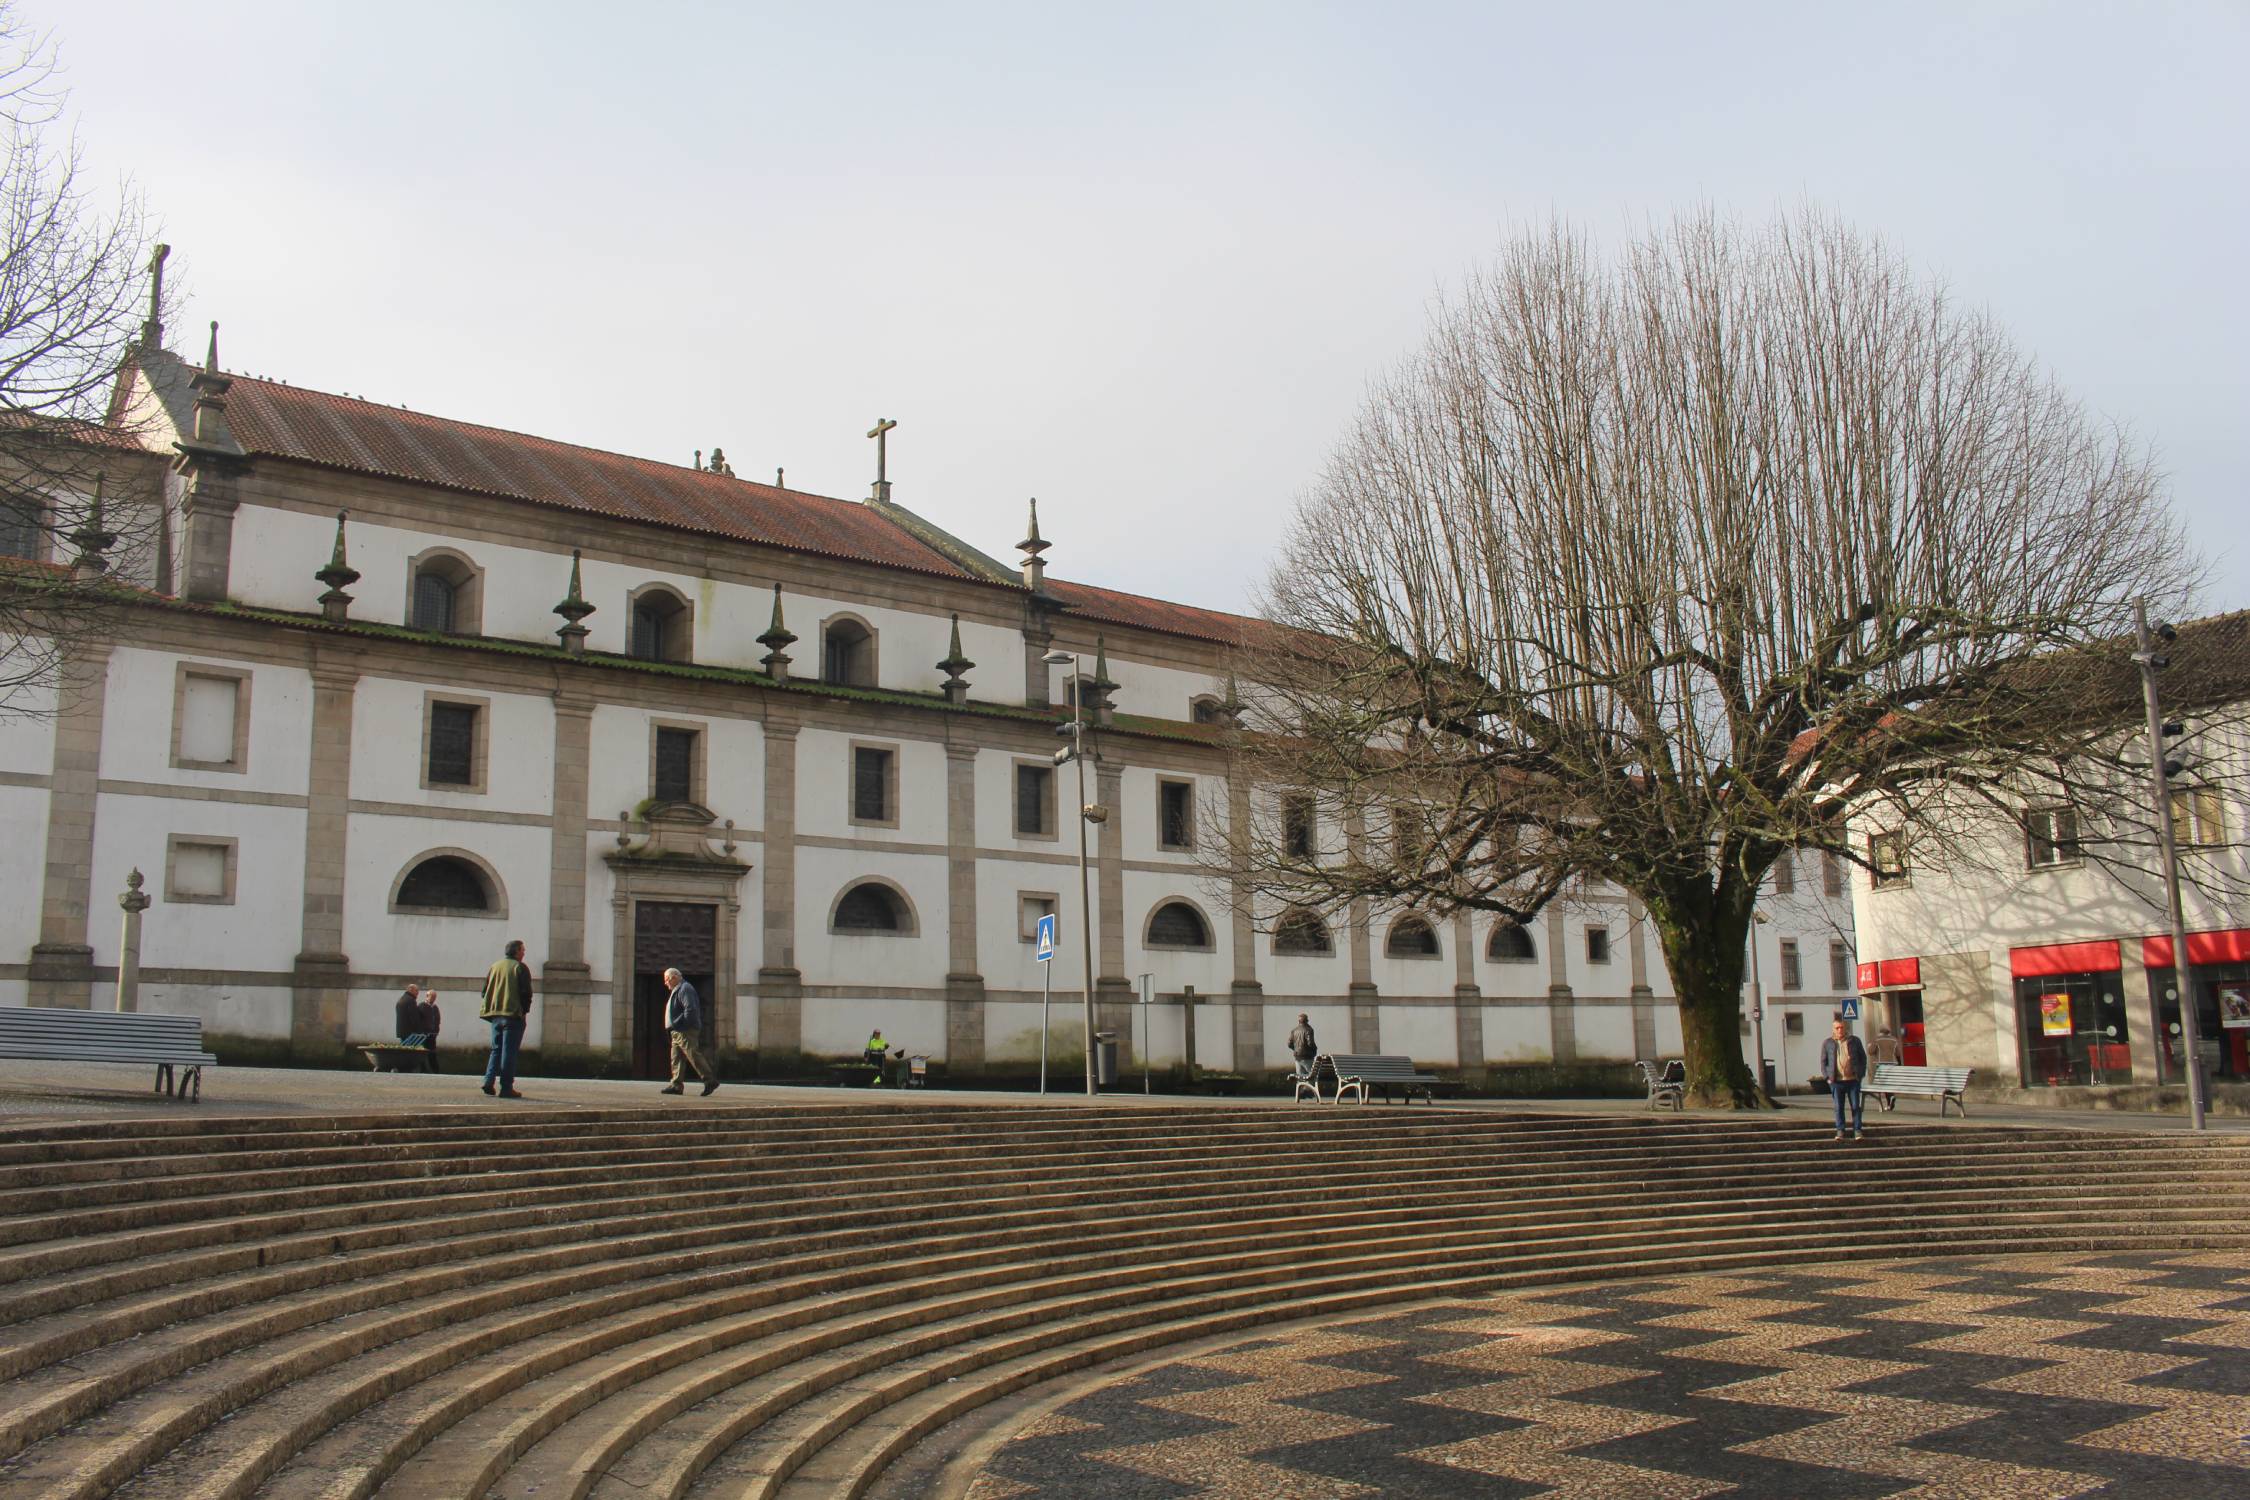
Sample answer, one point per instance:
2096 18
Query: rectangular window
210 718
1839 967
1035 801
874 785
2050 837
1030 907
2199 817
1785 873
1298 823
1792 1023
1792 967
1597 945
199 871
20 515
1886 854
673 779
1175 814
453 744
1831 873
1409 840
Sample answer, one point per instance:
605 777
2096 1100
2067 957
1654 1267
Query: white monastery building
395 689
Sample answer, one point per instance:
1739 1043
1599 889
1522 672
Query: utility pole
1087 813
2151 660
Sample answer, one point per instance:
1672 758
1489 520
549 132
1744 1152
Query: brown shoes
671 1088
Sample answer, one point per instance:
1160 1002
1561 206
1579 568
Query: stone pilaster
781 987
207 531
1113 988
321 983
1644 998
1247 994
62 962
1367 1027
1562 1006
2133 976
1468 999
964 979
565 980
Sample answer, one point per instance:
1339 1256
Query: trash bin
1105 1059
1765 1074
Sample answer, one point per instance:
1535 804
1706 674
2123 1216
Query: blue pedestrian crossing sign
1851 1008
1044 948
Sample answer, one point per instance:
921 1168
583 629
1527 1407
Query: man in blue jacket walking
683 1018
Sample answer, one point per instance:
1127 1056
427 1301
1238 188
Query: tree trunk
1705 962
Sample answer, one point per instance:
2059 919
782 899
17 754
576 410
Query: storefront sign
2054 1015
2064 958
2234 1006
1891 974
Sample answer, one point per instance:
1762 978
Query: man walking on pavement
1843 1062
1303 1046
507 1001
683 1018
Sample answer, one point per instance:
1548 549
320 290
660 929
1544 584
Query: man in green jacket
507 1001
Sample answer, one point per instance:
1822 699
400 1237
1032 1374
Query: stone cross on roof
880 432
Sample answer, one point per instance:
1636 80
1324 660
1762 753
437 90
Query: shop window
2050 837
2222 1016
1302 933
2071 1029
1886 858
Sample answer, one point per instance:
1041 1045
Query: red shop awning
2065 958
2203 948
1891 974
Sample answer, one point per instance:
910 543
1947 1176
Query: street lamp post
2150 658
1758 1001
1087 813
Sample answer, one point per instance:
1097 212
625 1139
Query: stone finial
152 328
719 464
338 575
955 667
574 609
211 387
1102 686
1034 566
92 539
134 898
1230 707
780 481
777 640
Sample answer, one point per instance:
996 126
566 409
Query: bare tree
80 502
1647 569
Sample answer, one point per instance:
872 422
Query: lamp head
1058 658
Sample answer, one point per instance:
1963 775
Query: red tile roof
286 421
1115 608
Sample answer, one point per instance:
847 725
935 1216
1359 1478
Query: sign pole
1148 986
1044 951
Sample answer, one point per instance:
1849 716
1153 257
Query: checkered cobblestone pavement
2016 1377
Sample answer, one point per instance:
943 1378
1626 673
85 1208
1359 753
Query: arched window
847 653
444 593
871 907
1176 924
660 625
1205 710
449 882
1301 932
1511 945
1411 937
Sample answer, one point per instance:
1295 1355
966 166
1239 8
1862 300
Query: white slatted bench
1384 1071
1323 1072
1942 1084
40 1034
409 1054
1666 1085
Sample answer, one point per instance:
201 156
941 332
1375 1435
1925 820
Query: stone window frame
896 753
699 786
1206 708
1839 965
1290 804
495 889
480 753
874 646
1297 915
1599 930
1531 942
1792 965
1210 943
910 920
1162 843
1785 873
679 632
239 764
1888 865
1027 932
173 895
1054 797
468 588
1792 1023
2063 853
1390 936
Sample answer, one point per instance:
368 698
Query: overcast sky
1138 261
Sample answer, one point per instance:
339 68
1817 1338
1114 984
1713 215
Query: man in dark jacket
1303 1046
507 1001
410 1012
1843 1062
431 1020
683 1018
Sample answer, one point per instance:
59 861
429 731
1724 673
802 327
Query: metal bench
40 1034
1323 1072
1668 1083
409 1054
1363 1071
1942 1084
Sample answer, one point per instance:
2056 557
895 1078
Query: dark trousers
1846 1091
507 1037
430 1047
